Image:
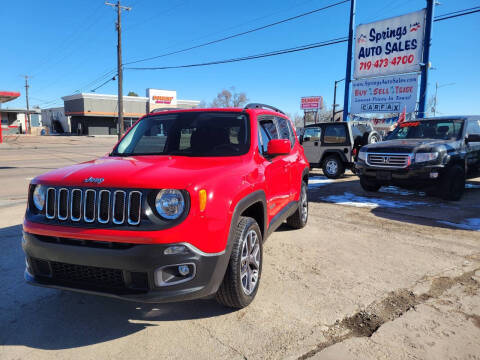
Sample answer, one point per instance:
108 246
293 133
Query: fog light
183 270
433 175
176 249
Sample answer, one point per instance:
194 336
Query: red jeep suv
178 210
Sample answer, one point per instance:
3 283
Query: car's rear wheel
453 183
242 278
333 167
374 137
369 185
299 218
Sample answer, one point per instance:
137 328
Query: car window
263 139
283 130
187 134
268 124
312 133
292 133
473 127
428 129
335 134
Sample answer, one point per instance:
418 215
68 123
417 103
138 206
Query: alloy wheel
250 262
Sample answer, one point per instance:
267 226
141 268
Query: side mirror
278 147
472 138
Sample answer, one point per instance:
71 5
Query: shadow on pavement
51 319
399 204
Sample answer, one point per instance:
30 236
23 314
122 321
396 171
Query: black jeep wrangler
435 154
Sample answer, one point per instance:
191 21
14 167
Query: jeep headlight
39 197
362 155
170 203
423 157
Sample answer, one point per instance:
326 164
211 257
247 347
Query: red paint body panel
227 180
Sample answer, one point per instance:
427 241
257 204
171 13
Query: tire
369 185
300 217
236 291
333 167
453 183
374 137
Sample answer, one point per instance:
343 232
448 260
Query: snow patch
318 181
350 199
397 191
472 186
468 224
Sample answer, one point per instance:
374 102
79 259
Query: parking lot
390 275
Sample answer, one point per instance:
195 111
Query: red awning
8 96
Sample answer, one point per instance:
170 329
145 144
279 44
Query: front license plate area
384 175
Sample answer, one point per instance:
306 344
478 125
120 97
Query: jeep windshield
193 133
450 129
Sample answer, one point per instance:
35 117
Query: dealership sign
161 99
311 103
391 94
391 46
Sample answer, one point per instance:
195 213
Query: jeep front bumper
125 271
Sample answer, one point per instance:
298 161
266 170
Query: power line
250 57
445 17
106 82
290 50
241 33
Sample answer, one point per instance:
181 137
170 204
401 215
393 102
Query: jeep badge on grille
93 180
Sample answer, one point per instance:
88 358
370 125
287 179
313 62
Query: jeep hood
408 146
142 171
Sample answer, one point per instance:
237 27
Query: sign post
348 71
426 59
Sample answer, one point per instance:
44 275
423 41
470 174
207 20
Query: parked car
178 210
435 154
334 146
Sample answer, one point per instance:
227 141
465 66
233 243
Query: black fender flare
337 152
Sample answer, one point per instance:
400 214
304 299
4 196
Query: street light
435 98
335 98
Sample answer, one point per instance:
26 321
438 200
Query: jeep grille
94 205
398 161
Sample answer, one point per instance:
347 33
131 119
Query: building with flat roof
97 114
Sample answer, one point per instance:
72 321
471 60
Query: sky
66 45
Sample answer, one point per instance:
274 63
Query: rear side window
335 134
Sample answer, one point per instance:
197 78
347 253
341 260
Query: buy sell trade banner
390 94
390 46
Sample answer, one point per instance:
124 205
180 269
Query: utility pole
426 58
28 129
348 72
120 126
335 98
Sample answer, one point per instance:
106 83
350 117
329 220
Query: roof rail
164 109
262 106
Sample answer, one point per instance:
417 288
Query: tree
132 93
227 98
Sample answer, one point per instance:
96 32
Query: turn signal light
202 199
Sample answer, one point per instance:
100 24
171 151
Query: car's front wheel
369 185
453 183
242 278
